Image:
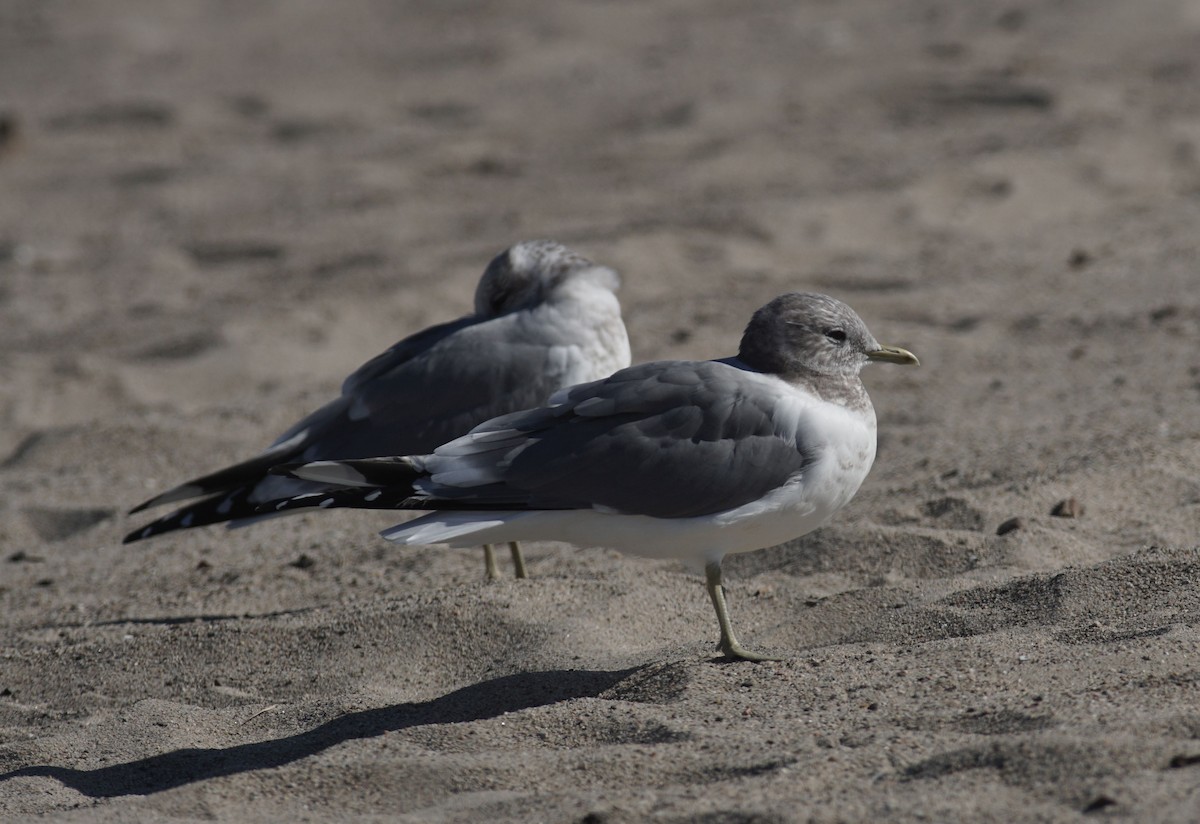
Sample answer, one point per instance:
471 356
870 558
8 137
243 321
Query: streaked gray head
528 273
801 333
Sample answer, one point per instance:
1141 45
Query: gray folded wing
668 439
404 403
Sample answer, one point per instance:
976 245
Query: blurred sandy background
210 212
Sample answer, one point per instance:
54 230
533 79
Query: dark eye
836 335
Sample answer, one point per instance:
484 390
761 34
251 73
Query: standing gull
675 459
545 318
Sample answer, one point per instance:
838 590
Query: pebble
1011 525
1068 508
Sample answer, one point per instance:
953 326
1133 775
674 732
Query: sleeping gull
675 459
545 318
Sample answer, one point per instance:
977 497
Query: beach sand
212 212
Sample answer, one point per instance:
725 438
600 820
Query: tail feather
457 529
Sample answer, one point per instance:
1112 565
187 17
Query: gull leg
489 562
518 559
729 642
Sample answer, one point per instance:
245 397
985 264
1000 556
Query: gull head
803 332
531 272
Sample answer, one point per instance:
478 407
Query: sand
211 212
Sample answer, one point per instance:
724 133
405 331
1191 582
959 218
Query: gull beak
894 354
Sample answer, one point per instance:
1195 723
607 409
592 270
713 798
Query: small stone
8 129
1164 313
1068 508
1079 258
1099 803
305 561
1011 525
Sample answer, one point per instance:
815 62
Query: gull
545 318
691 460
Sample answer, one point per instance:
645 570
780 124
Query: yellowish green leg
518 559
489 562
729 642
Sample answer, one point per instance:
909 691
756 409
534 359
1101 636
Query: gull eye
836 335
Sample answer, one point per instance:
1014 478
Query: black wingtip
182 492
212 510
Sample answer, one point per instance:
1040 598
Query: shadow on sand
177 768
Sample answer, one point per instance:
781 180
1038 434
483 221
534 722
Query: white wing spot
374 495
325 503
